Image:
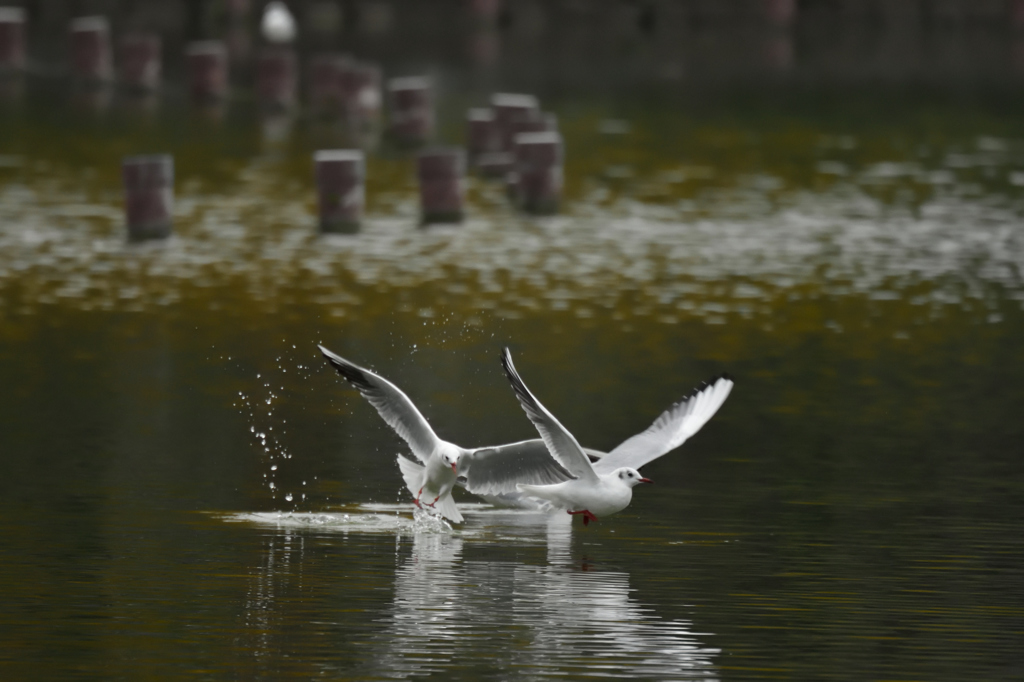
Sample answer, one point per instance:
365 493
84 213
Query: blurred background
822 197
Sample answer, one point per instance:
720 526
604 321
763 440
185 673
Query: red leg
417 500
587 516
431 504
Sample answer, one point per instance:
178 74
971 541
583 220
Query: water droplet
288 497
273 468
272 486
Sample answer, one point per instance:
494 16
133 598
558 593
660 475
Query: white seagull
489 469
606 486
493 472
277 24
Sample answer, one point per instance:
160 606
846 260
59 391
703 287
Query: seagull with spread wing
491 470
606 486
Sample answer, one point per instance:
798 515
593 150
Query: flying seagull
493 472
606 486
430 479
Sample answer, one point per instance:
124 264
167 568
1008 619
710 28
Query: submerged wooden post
139 61
341 85
341 189
481 135
361 85
411 103
91 59
537 177
12 39
238 9
779 13
207 70
149 195
326 93
441 172
277 79
510 112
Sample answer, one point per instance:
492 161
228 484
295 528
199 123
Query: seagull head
631 476
453 462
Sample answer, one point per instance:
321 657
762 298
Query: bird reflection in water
269 582
539 620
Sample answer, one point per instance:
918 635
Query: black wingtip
351 373
518 386
702 386
506 364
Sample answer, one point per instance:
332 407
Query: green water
189 492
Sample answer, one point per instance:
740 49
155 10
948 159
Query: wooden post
481 134
341 189
277 77
360 83
537 178
149 195
442 180
139 61
510 112
12 39
207 70
411 104
326 93
91 59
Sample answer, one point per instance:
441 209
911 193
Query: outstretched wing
392 405
561 444
671 429
497 470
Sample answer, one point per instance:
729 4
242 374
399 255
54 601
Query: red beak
455 468
646 480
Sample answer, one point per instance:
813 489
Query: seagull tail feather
414 474
446 508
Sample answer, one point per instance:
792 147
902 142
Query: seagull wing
561 444
497 470
671 429
393 406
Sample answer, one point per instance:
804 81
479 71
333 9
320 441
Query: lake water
188 491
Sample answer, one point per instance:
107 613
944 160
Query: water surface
190 492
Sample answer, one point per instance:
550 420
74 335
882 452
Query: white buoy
278 24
